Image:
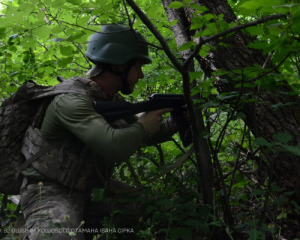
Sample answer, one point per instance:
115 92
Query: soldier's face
135 74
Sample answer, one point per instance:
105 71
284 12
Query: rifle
112 111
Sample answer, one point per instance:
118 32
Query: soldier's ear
118 68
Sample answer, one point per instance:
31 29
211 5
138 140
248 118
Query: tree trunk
204 163
261 118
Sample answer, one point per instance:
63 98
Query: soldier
90 144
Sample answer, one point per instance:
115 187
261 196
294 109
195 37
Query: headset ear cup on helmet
123 75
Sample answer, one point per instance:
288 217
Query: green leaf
246 85
57 3
280 200
28 42
186 234
101 2
166 202
258 45
187 1
276 188
98 194
150 209
208 17
196 26
262 142
192 223
4 23
252 4
68 50
57 29
65 61
74 2
40 15
183 233
174 22
289 193
42 32
283 137
194 75
176 5
290 149
26 7
135 93
204 50
154 11
253 234
83 21
241 115
256 30
16 17
281 215
174 233
256 192
186 46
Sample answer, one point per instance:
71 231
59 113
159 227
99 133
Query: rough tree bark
263 120
205 169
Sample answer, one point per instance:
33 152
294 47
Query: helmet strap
123 75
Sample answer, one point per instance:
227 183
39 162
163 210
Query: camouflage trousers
51 212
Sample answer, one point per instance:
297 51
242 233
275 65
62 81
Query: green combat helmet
116 44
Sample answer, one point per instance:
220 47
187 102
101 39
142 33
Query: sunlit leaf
42 32
186 46
176 5
68 50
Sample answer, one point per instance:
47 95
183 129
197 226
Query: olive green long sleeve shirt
73 115
70 114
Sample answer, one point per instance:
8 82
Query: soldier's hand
152 120
173 124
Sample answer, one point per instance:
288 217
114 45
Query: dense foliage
43 39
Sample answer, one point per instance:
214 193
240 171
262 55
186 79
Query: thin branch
273 69
182 150
224 33
132 172
157 34
80 65
75 25
90 66
134 32
127 13
161 154
236 162
270 55
42 46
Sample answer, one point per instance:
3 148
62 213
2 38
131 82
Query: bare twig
157 34
224 33
182 150
270 55
127 13
161 154
132 172
90 66
273 69
237 161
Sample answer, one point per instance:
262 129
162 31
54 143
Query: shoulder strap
75 85
40 153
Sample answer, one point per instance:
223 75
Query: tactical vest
22 144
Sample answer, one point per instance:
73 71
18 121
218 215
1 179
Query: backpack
26 108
